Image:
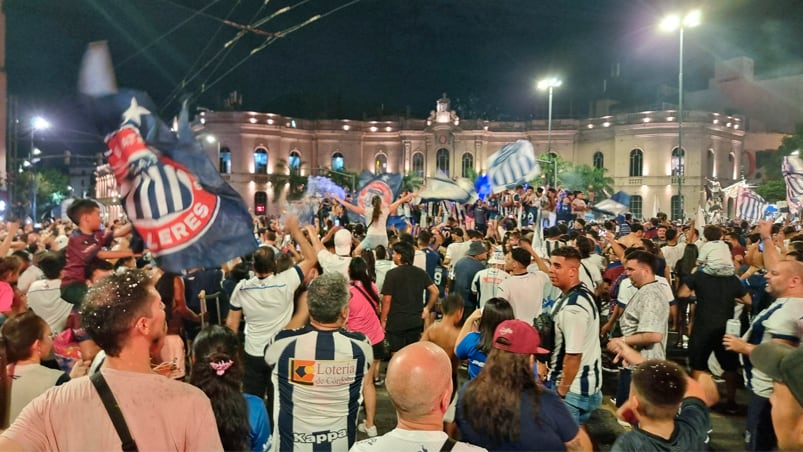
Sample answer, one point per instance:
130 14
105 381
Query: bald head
418 380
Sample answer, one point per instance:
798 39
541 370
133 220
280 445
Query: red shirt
81 250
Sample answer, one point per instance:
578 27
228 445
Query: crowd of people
498 322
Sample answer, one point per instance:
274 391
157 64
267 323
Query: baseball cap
476 248
343 242
517 336
783 363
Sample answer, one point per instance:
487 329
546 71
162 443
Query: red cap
517 336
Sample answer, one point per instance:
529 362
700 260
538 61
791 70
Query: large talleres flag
749 205
792 169
175 198
513 164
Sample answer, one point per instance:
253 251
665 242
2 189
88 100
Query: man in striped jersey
777 323
576 364
318 374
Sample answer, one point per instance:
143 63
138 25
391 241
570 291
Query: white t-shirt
44 297
778 321
380 226
332 263
382 267
31 274
486 283
161 414
590 274
399 440
716 255
672 254
525 293
267 305
455 251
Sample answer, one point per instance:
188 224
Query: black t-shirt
406 284
715 298
692 425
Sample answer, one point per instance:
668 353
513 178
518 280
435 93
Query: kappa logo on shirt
322 372
319 437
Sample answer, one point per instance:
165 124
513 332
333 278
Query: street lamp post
549 84
671 23
37 123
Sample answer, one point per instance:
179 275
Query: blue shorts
581 406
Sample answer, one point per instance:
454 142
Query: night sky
378 58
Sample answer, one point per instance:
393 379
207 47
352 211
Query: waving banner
514 164
792 169
175 198
444 189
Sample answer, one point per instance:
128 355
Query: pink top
362 315
6 296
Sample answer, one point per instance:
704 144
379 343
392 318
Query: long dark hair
217 345
17 336
358 271
376 203
496 394
495 311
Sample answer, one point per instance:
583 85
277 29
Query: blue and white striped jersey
317 382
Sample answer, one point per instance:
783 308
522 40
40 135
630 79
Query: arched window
260 202
294 162
709 164
225 160
636 163
338 162
467 165
677 207
636 205
678 161
599 160
381 164
260 160
442 160
418 164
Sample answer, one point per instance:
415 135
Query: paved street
728 430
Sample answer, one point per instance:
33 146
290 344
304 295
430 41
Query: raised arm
406 198
310 258
356 209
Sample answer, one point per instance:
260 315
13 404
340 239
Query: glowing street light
671 23
37 123
549 84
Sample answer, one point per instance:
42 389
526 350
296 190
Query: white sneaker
370 431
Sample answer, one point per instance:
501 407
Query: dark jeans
257 381
623 387
759 424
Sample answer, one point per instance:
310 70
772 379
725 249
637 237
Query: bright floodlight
693 18
40 123
670 22
553 82
210 139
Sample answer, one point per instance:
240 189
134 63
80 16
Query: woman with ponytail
363 317
217 369
376 219
24 341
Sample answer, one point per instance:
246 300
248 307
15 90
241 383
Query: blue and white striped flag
513 164
792 169
749 205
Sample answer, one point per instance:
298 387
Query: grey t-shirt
647 312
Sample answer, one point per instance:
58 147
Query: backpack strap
448 445
113 408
